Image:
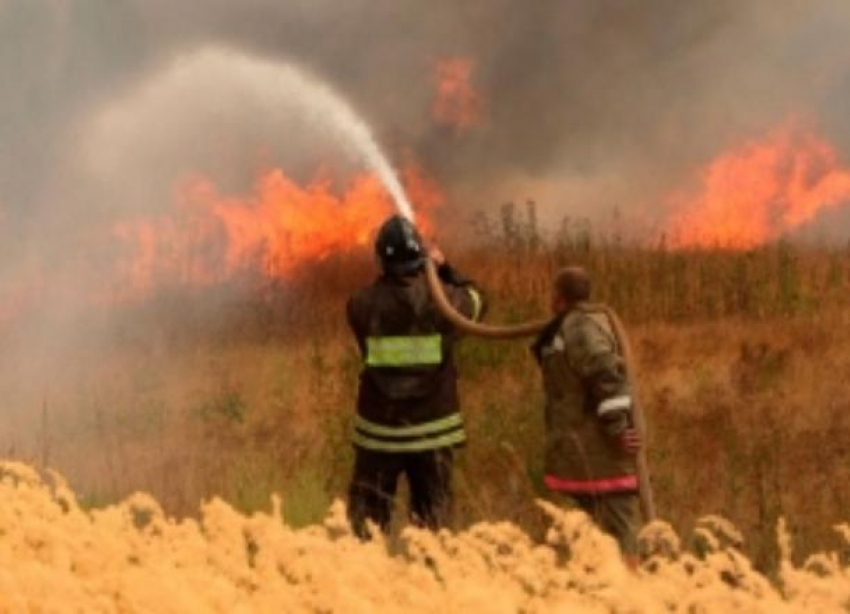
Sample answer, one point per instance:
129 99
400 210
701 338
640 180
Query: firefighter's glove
437 256
618 426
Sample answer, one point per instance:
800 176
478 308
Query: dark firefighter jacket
407 399
588 405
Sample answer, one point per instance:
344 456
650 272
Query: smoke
590 105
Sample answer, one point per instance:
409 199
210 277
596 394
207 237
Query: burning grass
763 189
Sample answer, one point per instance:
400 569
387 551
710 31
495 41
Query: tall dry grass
741 356
131 557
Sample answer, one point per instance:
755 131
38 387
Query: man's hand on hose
630 441
445 271
436 254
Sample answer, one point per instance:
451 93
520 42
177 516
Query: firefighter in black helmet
408 419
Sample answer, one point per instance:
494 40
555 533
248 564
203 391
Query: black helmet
399 247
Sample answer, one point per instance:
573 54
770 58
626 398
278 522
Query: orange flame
761 191
211 237
456 103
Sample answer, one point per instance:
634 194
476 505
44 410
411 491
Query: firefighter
408 420
591 442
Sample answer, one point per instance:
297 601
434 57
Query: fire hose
488 331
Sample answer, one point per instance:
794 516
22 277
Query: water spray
328 109
270 88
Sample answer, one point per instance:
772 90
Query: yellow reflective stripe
404 351
475 295
418 445
417 430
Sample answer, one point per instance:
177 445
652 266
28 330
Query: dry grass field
131 557
741 355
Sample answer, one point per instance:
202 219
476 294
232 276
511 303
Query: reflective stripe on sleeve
614 404
477 303
404 351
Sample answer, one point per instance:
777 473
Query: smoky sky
589 104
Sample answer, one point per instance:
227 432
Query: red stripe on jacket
626 483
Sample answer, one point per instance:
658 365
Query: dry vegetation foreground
742 358
54 556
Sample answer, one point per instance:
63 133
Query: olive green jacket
588 404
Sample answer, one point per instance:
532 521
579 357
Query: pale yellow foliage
55 556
